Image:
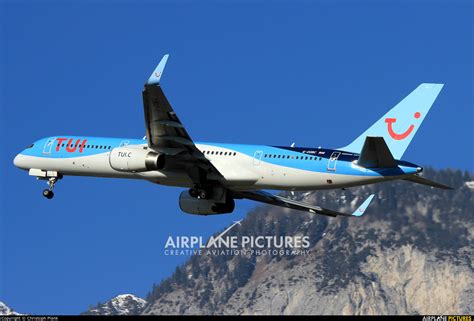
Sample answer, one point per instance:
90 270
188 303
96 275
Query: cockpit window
30 146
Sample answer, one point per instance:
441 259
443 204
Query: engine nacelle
192 205
135 159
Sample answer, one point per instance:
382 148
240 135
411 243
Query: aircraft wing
264 197
166 134
164 130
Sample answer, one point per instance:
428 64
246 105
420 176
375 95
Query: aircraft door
257 157
48 146
332 161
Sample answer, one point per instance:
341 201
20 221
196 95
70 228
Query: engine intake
192 205
135 159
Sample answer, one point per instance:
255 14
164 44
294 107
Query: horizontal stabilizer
420 180
375 154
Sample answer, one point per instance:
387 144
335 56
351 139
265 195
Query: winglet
158 72
360 211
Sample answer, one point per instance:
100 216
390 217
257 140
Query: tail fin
399 125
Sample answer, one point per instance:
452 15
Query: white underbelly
238 172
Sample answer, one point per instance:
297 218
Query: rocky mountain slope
411 253
6 310
124 304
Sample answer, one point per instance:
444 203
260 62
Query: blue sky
317 73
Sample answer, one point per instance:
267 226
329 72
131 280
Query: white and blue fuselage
243 167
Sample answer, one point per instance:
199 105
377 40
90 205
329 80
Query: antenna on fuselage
292 145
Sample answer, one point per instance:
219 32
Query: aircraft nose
18 161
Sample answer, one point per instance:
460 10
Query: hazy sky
314 73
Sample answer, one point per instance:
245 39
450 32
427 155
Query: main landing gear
48 193
200 192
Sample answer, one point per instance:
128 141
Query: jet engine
135 159
193 205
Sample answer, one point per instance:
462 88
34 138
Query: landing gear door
257 157
48 146
332 161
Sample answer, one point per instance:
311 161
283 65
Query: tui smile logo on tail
403 135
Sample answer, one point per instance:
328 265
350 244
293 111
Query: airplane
215 174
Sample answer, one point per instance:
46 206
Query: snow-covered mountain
6 310
124 304
412 253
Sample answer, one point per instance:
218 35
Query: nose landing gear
48 193
51 177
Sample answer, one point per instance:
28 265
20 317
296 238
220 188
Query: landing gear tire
203 194
48 194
